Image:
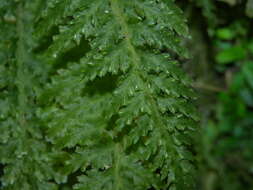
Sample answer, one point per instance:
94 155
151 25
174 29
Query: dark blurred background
222 68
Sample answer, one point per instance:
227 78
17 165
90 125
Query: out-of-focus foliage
223 68
24 152
249 8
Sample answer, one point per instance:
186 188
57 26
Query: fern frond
24 155
126 102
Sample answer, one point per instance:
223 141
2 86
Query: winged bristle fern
114 108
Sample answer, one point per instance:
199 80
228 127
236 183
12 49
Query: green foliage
226 142
231 54
92 96
231 157
24 152
235 122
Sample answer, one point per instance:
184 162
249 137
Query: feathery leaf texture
24 154
117 115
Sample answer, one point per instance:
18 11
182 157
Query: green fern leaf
24 154
126 101
93 96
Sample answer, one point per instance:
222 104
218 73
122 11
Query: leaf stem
20 60
119 15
